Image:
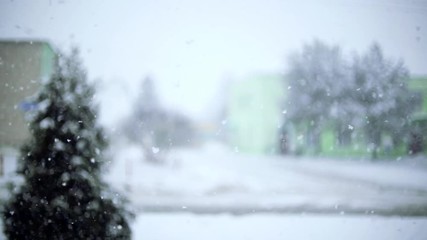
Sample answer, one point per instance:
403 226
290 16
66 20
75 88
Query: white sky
190 46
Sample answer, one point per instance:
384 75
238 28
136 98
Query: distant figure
1 164
415 143
388 145
283 142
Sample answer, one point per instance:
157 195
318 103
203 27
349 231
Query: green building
254 114
419 119
419 85
22 66
257 123
358 145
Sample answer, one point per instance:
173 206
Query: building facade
257 123
255 114
23 64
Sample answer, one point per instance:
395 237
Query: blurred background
224 115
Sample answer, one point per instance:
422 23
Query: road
218 181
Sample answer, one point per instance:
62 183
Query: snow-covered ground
216 193
213 179
186 226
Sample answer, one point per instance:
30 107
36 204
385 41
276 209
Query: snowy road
214 180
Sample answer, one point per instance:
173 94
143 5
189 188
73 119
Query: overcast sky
190 46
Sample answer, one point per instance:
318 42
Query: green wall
255 117
254 113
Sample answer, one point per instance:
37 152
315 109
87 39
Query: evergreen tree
62 196
155 128
146 123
